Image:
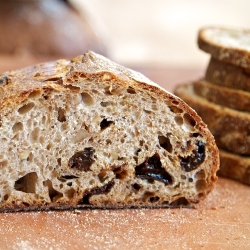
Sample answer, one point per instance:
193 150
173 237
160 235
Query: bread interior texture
100 143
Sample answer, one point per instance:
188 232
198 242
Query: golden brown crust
235 167
231 98
229 127
227 75
226 44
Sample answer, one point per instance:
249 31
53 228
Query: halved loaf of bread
90 133
232 98
231 128
228 75
235 167
226 44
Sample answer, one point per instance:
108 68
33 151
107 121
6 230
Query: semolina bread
227 75
231 128
91 133
226 44
231 98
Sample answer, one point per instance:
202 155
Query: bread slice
91 133
231 128
235 99
235 167
227 75
226 44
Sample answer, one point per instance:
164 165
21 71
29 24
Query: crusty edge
231 98
238 57
235 167
227 75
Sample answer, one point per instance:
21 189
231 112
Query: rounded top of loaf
65 75
230 45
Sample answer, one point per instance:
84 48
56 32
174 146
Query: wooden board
222 221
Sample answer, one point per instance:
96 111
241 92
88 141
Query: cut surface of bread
227 75
235 167
231 128
226 44
91 133
235 99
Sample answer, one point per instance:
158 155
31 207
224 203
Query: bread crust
227 75
229 127
235 167
66 77
231 98
226 44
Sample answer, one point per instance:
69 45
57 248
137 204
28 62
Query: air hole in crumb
175 109
27 183
49 146
147 111
87 99
35 135
6 197
190 179
131 90
17 127
201 185
179 120
34 94
3 163
147 195
26 108
105 123
189 120
106 104
53 194
108 141
61 115
154 199
120 173
136 187
59 161
69 184
165 143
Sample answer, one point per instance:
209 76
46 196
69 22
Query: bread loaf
236 167
231 128
231 98
226 44
228 75
91 133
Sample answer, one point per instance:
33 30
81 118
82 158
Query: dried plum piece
194 160
152 170
98 190
82 160
105 123
3 80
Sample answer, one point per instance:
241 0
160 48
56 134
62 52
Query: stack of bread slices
222 97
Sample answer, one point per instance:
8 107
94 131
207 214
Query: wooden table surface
222 221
